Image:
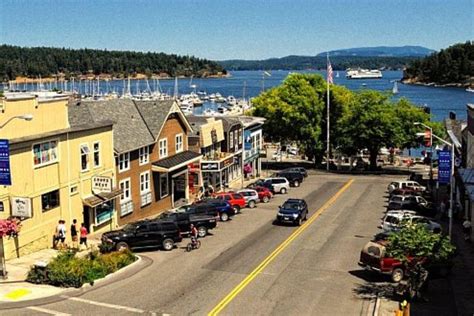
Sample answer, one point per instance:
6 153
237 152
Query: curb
141 263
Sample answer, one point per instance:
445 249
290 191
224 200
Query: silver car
280 185
250 196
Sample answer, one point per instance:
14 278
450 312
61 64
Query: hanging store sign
444 167
5 173
227 162
209 166
21 207
101 184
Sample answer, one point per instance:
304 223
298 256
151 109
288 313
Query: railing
216 156
252 152
145 198
126 208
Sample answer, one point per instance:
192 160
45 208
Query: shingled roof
130 130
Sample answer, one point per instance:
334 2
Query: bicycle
193 245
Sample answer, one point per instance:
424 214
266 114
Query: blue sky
243 29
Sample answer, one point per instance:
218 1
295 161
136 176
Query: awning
176 161
97 199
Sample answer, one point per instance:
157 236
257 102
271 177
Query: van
278 184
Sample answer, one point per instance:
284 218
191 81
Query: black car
220 208
295 178
184 220
144 234
293 211
301 170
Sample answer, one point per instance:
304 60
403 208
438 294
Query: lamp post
431 148
26 117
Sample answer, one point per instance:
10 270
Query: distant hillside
453 66
46 61
382 51
318 62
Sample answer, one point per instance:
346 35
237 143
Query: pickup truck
202 222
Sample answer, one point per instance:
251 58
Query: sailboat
395 87
337 74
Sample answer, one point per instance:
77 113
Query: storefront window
163 185
104 212
50 200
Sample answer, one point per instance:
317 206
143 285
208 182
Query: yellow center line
222 304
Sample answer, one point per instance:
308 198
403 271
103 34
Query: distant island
453 66
64 63
382 57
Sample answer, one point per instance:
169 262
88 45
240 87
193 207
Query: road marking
222 304
126 308
17 294
47 311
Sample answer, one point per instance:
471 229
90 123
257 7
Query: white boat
395 87
337 74
363 73
470 90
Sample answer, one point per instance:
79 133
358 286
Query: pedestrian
83 240
467 229
60 235
74 234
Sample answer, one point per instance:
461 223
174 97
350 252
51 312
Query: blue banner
247 140
444 167
5 175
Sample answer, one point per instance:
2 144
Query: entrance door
86 214
179 189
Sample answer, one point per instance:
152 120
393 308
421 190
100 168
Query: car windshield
397 199
183 209
130 227
291 206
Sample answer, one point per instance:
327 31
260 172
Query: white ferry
363 74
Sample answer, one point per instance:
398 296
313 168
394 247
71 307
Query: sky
235 29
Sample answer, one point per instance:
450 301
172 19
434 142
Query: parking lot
308 270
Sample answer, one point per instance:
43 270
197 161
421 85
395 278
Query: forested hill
451 66
382 51
46 61
319 62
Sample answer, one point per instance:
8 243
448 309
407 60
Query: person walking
74 236
83 240
60 235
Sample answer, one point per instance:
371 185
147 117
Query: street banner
5 174
444 167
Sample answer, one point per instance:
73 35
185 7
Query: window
179 143
231 140
163 148
2 207
144 155
45 153
50 200
240 137
163 185
73 190
126 194
145 182
124 162
96 149
84 149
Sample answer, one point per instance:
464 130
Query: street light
26 117
431 148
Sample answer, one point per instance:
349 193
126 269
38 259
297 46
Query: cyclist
194 234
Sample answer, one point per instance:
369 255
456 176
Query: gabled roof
130 130
155 114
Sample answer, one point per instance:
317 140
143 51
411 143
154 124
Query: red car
237 201
264 194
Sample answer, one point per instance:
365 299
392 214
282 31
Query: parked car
301 170
294 177
144 234
293 211
221 208
395 220
264 194
251 197
277 184
237 201
410 202
404 184
405 192
202 222
260 183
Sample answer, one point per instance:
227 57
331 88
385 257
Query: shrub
67 270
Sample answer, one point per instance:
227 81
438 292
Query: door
142 237
86 217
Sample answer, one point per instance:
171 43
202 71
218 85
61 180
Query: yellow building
57 171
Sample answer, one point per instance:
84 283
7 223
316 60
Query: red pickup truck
237 201
373 257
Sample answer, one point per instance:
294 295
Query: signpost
444 167
5 174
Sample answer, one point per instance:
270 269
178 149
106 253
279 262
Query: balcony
145 199
126 208
216 156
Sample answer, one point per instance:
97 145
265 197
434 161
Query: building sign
21 207
101 185
5 174
209 166
193 167
227 162
444 167
247 140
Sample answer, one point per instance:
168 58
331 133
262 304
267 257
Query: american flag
329 78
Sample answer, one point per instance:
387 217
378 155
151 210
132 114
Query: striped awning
98 199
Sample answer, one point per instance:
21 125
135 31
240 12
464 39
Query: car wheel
265 199
251 204
283 190
202 231
121 246
306 216
224 217
168 244
299 222
296 183
236 209
397 275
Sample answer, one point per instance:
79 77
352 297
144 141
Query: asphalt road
316 274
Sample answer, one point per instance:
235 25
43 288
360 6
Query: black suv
144 234
216 207
293 211
184 220
301 170
294 177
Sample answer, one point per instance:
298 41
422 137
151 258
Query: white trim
93 154
176 143
127 155
87 156
49 162
175 109
167 185
165 147
149 182
144 154
125 199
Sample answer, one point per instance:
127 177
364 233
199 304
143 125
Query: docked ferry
363 73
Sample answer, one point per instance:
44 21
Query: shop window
124 162
2 207
50 200
104 212
126 203
144 155
163 148
73 190
231 140
163 185
45 153
96 149
179 143
84 157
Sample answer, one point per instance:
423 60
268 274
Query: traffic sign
444 167
5 174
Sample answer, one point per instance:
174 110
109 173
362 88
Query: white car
395 220
400 198
405 184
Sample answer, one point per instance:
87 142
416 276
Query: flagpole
327 114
